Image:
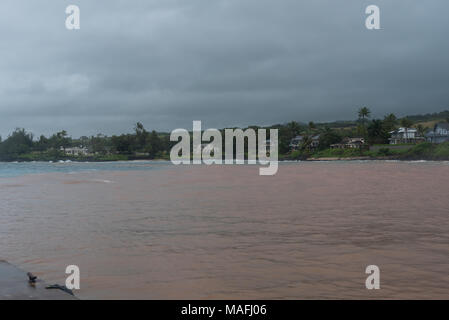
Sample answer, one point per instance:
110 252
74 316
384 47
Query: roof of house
432 132
298 139
443 125
355 139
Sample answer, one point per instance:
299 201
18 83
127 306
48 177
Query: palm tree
364 113
421 130
376 132
406 123
306 142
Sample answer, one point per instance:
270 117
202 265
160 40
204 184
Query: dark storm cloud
226 62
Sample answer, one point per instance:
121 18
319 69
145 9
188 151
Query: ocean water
14 169
157 231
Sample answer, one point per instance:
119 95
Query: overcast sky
225 62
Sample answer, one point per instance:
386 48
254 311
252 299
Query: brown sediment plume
201 232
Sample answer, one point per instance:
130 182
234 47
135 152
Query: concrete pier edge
14 285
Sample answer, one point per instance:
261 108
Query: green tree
123 144
306 142
390 122
328 137
141 136
421 130
98 144
19 142
364 113
286 134
154 143
42 144
376 132
60 139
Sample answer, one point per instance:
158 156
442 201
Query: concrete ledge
14 285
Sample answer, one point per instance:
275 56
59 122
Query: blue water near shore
15 169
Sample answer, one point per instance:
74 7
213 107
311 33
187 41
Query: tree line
143 142
151 144
374 131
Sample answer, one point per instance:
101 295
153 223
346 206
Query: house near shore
349 143
439 134
75 151
297 142
405 135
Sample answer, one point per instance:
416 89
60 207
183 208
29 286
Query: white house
75 151
439 134
405 135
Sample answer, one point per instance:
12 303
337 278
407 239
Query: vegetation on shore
142 144
422 151
376 133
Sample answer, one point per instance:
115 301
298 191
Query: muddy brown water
222 232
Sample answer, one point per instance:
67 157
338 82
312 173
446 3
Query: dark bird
31 277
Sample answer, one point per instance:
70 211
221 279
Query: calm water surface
155 231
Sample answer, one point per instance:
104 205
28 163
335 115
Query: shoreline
419 152
286 160
14 284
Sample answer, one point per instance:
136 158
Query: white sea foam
103 181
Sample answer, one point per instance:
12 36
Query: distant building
75 151
297 141
349 143
439 134
355 143
315 142
405 135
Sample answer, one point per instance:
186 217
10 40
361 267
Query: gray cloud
226 62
